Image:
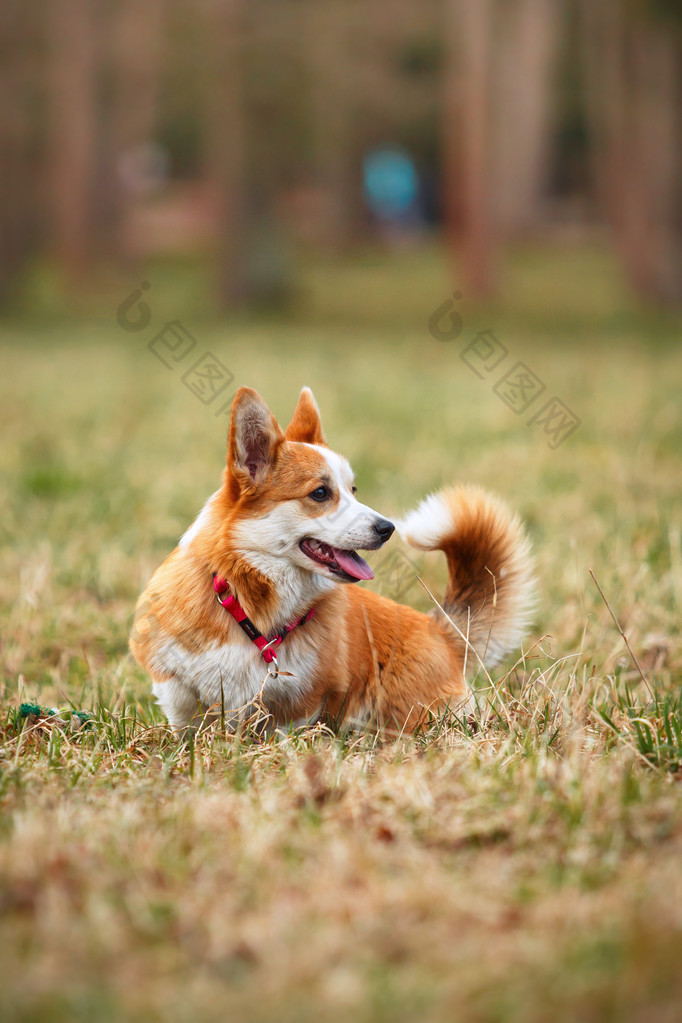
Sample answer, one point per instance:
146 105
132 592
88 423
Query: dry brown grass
525 871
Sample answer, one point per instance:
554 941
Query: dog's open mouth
347 565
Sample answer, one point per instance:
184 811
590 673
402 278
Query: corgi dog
257 606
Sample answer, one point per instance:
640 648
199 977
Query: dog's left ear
253 442
305 423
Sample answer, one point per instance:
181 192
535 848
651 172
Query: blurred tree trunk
249 127
527 50
468 143
633 95
226 139
72 96
19 188
334 151
500 58
135 56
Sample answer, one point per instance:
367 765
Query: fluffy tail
490 589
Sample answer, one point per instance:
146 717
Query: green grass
526 869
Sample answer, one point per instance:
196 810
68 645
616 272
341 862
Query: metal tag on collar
271 673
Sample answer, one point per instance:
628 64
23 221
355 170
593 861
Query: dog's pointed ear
254 440
305 423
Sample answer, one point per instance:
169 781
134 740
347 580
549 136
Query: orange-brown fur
366 658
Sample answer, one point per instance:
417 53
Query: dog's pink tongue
353 564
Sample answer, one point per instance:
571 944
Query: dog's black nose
383 528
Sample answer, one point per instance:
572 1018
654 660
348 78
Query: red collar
265 646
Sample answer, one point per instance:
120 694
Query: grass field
529 871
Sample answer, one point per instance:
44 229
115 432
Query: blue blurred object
391 185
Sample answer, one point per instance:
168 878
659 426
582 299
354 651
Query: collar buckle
231 604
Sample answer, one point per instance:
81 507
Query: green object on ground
27 709
34 708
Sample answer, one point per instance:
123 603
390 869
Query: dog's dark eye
354 489
320 494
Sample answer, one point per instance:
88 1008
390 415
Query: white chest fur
231 676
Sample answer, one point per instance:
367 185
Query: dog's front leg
181 705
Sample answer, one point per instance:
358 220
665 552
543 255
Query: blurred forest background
253 133
304 184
